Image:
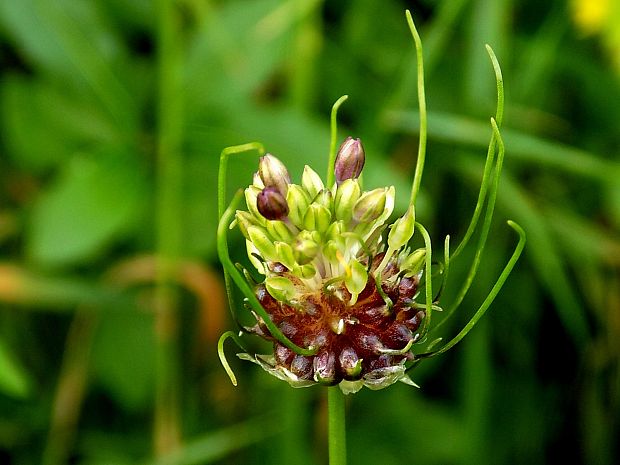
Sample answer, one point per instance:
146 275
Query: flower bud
257 181
334 231
331 251
350 160
317 218
355 280
273 173
325 198
414 262
347 194
298 202
252 252
285 255
271 204
306 271
280 288
311 181
402 230
263 243
244 221
251 196
305 247
370 206
279 231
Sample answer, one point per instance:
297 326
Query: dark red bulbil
343 334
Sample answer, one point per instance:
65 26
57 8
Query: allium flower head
329 283
339 293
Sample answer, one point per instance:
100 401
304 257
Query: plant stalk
336 427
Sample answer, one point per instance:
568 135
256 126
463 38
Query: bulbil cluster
334 282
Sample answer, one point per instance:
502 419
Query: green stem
336 427
419 168
332 144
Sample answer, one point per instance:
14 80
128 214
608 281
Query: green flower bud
262 242
298 202
347 194
271 204
317 218
355 279
273 173
251 196
414 262
280 288
306 247
374 228
279 231
252 251
306 271
350 160
335 230
311 181
370 206
244 221
402 230
325 198
331 252
284 254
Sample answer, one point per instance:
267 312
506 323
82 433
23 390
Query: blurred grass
108 151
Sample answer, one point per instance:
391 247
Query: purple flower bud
350 160
272 204
273 173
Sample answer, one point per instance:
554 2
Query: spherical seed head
273 173
350 160
272 204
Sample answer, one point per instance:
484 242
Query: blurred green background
112 117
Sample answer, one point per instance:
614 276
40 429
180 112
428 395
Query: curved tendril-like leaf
223 170
222 355
499 80
229 267
221 198
489 299
417 177
333 140
485 227
428 282
499 116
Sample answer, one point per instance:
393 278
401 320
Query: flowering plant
339 292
